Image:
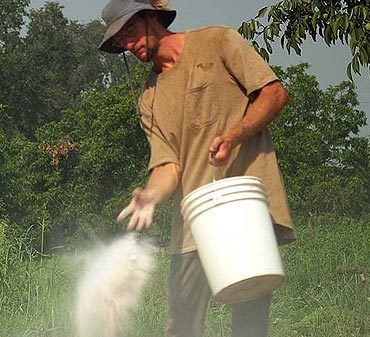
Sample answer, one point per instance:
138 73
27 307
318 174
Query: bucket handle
214 168
217 197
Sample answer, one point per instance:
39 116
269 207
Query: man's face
133 37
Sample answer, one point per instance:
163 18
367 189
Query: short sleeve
161 150
244 63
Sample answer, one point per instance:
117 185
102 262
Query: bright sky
327 64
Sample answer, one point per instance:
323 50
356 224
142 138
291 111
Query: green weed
326 293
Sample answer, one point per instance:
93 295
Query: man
207 101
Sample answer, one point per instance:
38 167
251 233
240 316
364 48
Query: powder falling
111 287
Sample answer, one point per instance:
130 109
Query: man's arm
161 185
260 112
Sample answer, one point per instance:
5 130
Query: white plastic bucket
232 228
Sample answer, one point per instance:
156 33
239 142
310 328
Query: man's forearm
260 112
163 182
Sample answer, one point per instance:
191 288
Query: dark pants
189 294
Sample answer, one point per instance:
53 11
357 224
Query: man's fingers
128 210
125 213
218 152
133 222
141 221
149 217
140 210
222 155
215 145
145 218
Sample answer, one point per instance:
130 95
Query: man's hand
220 151
161 185
141 209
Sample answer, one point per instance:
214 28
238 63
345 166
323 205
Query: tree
347 21
95 70
43 72
324 161
12 13
78 171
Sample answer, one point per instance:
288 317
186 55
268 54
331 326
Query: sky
327 64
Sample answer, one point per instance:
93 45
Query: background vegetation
326 293
292 21
71 151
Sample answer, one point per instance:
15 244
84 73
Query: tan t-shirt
202 96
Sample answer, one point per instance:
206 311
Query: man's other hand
141 209
162 183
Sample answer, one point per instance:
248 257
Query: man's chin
145 59
144 56
141 57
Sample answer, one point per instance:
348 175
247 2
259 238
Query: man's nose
127 43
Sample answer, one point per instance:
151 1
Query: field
326 293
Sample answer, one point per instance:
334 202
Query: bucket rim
217 183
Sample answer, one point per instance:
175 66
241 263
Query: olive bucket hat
118 12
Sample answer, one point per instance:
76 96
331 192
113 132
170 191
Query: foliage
326 293
111 153
324 161
72 149
81 183
347 21
327 285
79 171
36 294
12 14
43 72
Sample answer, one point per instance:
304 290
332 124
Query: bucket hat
118 12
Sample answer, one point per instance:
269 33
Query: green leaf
264 54
314 20
363 56
288 46
262 12
282 41
289 4
341 37
356 65
345 22
365 12
351 14
271 13
302 32
359 33
252 24
296 47
328 37
256 46
275 29
269 48
336 25
313 5
246 31
353 42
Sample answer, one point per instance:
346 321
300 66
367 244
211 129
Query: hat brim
165 16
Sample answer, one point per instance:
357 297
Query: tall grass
326 293
35 288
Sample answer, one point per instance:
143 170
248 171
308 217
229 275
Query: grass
326 293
